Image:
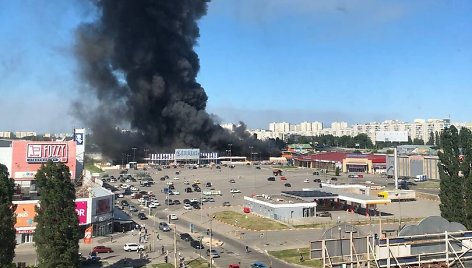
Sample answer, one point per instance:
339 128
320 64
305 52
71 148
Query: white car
187 207
134 189
121 196
170 183
186 182
193 200
234 191
306 181
125 186
176 192
133 247
153 205
176 178
173 217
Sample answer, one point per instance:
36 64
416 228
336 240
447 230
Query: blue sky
266 60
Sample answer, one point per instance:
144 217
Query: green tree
7 218
417 141
56 236
337 171
430 139
456 177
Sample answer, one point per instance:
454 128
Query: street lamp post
340 240
230 145
134 154
211 240
251 147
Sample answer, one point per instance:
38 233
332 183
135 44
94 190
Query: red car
283 178
101 249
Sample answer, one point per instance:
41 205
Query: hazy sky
266 60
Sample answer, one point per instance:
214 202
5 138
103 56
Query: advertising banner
103 206
187 154
88 235
42 153
81 210
393 136
25 214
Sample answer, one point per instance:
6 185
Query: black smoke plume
137 60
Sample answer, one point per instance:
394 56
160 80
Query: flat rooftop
279 199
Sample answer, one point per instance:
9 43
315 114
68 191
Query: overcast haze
266 60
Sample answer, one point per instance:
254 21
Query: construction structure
434 242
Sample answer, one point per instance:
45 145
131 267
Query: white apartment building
283 127
419 128
6 134
23 134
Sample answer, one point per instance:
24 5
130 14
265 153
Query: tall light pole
251 147
146 156
211 240
230 145
134 154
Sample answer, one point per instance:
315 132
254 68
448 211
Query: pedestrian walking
162 249
247 249
111 238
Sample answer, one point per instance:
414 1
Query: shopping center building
347 162
24 157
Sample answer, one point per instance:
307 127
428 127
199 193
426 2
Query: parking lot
234 183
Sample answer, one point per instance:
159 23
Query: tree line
56 236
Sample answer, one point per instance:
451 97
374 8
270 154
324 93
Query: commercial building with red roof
346 161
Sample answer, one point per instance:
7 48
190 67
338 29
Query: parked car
195 205
186 201
133 247
186 237
142 216
232 181
324 214
234 191
169 202
214 253
283 178
287 185
306 181
124 203
186 182
176 202
271 179
188 190
334 179
132 208
188 207
226 204
163 226
208 184
173 217
316 173
258 264
317 180
196 244
101 249
196 181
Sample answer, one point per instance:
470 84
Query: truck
211 192
398 195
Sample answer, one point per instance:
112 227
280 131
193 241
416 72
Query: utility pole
230 145
250 147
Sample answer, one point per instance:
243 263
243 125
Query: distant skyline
265 61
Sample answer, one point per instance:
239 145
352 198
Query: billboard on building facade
44 152
103 206
25 214
81 210
187 154
393 136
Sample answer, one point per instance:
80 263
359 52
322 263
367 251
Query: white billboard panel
395 136
42 153
187 154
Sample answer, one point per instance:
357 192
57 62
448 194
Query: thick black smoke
138 61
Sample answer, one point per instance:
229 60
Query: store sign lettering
41 153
